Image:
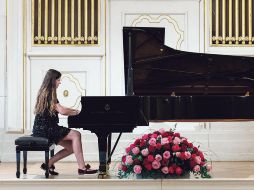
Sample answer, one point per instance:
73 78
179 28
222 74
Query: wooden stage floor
68 170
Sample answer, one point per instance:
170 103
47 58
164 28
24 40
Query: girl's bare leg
62 153
75 138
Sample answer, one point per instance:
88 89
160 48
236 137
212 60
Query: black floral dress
47 126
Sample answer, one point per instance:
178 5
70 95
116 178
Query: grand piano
164 84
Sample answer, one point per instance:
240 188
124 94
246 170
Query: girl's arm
66 111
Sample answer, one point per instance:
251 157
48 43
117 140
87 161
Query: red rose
195 149
136 161
201 155
165 134
192 163
142 143
128 149
151 148
124 168
177 135
132 146
148 166
202 163
145 161
158 146
144 137
182 156
184 148
166 146
190 145
154 135
185 142
171 170
150 158
123 159
169 139
176 148
179 170
193 156
137 141
164 162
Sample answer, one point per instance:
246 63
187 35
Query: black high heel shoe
87 170
51 169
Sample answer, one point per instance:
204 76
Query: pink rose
156 165
158 157
187 155
129 160
164 141
164 170
197 159
145 152
196 168
152 142
208 167
166 155
177 140
135 150
137 169
178 154
119 166
161 130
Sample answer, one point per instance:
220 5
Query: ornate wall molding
158 19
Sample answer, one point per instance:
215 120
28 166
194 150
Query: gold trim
59 21
32 20
250 21
86 20
52 21
39 21
158 20
217 20
243 21
72 22
66 21
46 22
230 21
78 35
79 21
92 21
237 22
65 93
78 86
223 21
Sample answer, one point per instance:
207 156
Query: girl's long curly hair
47 98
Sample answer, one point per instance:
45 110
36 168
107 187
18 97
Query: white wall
2 60
99 74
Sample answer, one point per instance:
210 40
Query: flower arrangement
163 154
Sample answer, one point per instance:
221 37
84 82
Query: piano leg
109 149
103 152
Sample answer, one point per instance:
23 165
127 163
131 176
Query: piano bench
30 143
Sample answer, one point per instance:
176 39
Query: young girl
46 125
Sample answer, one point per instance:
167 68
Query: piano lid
152 68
